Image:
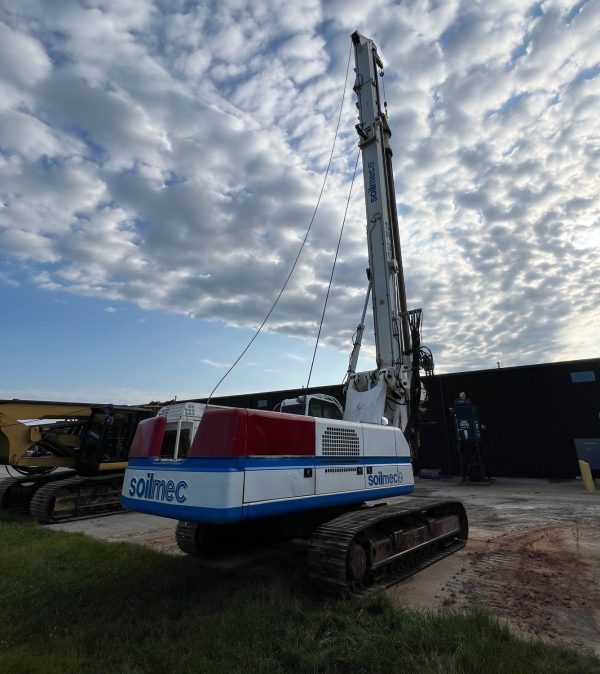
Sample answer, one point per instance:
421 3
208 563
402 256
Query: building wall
532 415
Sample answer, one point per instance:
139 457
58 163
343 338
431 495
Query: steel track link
330 544
6 485
186 538
43 503
16 492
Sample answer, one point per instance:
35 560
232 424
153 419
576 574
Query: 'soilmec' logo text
158 490
372 182
382 479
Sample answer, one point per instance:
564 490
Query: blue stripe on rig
193 465
208 465
285 506
183 512
205 515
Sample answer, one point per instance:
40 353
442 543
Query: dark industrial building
534 417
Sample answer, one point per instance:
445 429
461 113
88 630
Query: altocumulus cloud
171 153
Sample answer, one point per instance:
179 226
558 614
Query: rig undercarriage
357 552
62 496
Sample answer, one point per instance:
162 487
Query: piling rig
308 469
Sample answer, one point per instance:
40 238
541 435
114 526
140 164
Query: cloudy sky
160 163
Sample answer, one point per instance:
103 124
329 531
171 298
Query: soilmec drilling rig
89 443
228 473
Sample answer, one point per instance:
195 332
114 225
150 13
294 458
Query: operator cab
316 405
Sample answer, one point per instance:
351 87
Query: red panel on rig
277 434
148 437
221 433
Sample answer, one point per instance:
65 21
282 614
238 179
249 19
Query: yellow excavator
69 458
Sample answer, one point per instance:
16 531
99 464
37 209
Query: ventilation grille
336 460
341 470
340 442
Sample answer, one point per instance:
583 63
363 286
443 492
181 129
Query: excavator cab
315 405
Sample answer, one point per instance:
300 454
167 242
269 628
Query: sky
160 162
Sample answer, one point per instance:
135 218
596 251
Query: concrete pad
153 532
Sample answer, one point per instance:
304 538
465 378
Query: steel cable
237 360
337 250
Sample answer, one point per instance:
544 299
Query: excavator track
16 492
206 540
186 536
77 498
9 486
366 550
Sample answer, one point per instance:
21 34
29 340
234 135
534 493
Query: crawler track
364 550
16 492
372 548
77 498
186 535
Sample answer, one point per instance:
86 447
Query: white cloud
171 155
87 394
212 363
23 61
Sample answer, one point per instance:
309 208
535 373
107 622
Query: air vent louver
340 442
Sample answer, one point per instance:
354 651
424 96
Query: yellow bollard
586 474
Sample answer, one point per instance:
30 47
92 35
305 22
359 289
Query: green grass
72 604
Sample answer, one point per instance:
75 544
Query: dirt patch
535 565
543 581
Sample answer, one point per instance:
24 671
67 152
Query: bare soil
533 559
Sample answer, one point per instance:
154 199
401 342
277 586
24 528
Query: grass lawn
72 604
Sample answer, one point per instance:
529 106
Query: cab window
297 408
167 451
323 409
